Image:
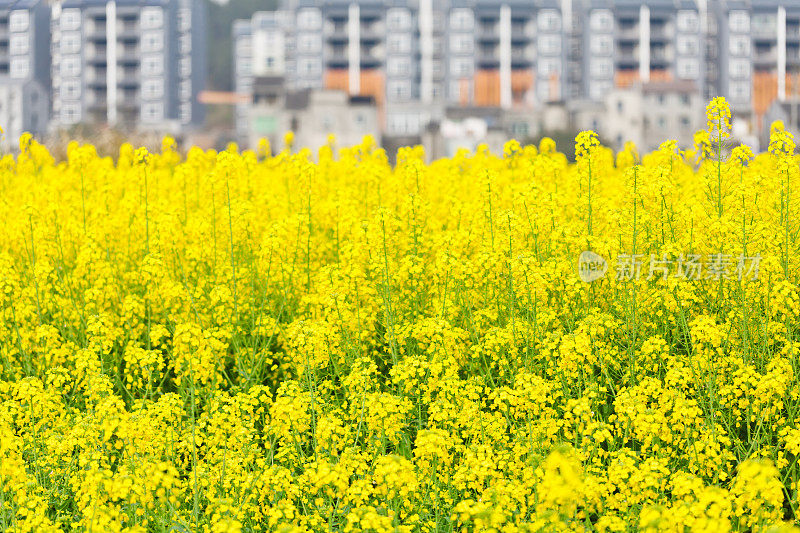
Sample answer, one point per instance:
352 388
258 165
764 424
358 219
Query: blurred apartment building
24 68
134 64
417 58
128 63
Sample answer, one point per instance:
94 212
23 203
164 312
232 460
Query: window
739 68
152 89
688 46
70 113
152 42
309 43
764 23
687 69
185 90
740 90
308 67
548 66
549 44
398 66
461 44
152 17
739 21
620 106
184 19
684 121
520 130
186 112
152 65
403 124
602 68
309 19
461 19
152 112
398 19
399 44
244 46
70 19
244 67
601 20
19 67
399 89
185 43
70 42
18 43
71 90
186 67
461 66
740 45
602 45
438 45
70 66
688 21
549 20
598 91
18 20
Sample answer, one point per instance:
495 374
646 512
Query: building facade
23 108
24 68
128 63
312 114
417 57
650 113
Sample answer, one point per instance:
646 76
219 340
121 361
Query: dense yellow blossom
238 341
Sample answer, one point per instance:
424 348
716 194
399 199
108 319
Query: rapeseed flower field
236 341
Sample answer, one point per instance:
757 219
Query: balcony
128 78
97 58
370 60
489 37
764 31
337 61
765 59
96 34
97 101
627 34
660 34
127 29
627 60
337 36
520 37
128 55
372 34
487 60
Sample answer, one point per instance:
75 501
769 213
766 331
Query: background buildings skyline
523 67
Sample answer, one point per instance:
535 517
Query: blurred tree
220 46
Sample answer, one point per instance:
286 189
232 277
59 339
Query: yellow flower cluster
237 341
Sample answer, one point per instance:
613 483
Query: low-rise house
311 114
23 108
